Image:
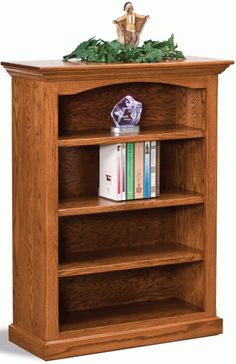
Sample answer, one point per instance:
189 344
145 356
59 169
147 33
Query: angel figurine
130 25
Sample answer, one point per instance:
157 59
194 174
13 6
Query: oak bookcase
90 274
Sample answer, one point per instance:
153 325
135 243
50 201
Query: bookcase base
72 345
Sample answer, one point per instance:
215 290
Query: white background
48 30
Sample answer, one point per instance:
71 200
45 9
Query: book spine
147 192
158 168
119 171
138 170
153 168
123 172
130 171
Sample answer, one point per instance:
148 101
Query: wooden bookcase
91 274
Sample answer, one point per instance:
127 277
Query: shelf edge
191 199
73 141
193 256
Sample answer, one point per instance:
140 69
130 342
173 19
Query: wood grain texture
116 288
99 232
73 87
50 143
128 258
78 172
190 230
27 340
146 333
96 205
211 196
169 132
57 70
179 163
131 325
191 107
95 106
34 209
191 283
119 248
122 232
125 314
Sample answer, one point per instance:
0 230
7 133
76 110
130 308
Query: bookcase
90 274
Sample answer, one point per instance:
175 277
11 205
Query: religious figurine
130 25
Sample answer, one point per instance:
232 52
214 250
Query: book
153 169
123 171
158 169
119 171
129 171
110 171
147 189
138 169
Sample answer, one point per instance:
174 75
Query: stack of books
129 171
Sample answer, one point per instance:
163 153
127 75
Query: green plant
100 51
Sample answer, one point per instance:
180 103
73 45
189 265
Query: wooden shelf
128 258
167 132
124 314
94 205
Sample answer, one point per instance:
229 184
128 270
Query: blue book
147 172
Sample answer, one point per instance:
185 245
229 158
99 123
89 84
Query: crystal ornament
127 113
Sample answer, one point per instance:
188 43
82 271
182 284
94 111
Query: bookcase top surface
59 69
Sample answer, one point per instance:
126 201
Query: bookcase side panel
190 174
51 146
211 194
190 231
34 209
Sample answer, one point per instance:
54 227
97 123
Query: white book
110 171
153 168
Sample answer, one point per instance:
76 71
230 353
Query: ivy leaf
98 50
81 50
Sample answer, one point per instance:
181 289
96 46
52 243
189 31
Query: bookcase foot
72 345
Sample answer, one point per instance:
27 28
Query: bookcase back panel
116 288
78 171
185 282
116 230
91 110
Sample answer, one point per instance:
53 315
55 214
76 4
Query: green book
130 171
